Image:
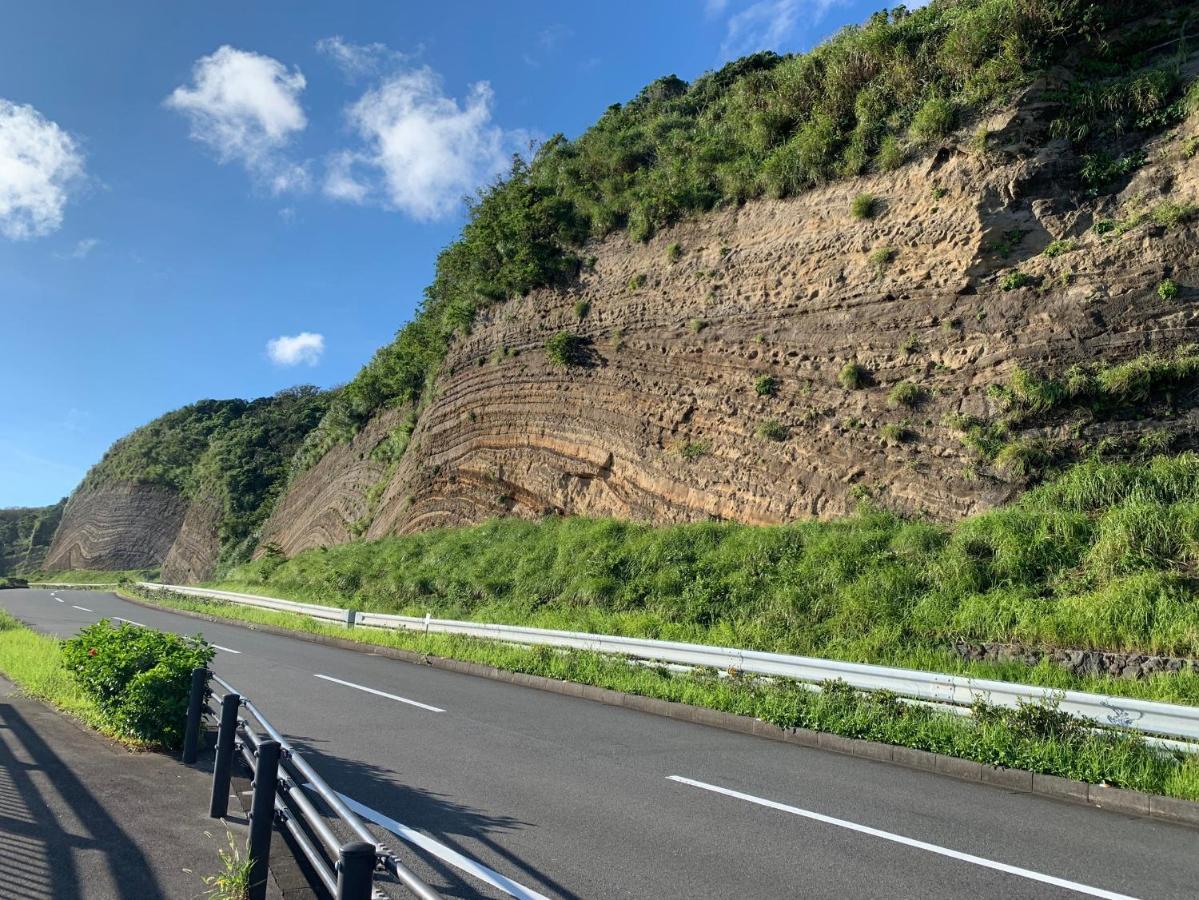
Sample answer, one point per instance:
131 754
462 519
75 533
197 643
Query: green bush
1167 289
862 206
907 394
880 258
565 349
140 678
853 377
1059 248
636 282
582 308
933 121
674 252
773 430
766 386
1014 280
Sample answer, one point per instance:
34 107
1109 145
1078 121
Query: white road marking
129 622
395 697
444 853
907 841
81 608
59 599
226 649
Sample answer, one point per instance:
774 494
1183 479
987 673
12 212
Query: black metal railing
346 869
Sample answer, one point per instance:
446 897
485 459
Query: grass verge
33 662
1036 738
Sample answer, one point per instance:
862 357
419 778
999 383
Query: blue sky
222 199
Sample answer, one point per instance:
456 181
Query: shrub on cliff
565 349
140 678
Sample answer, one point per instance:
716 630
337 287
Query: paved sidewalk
81 817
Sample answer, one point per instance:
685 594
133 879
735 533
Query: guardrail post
225 739
262 816
195 707
355 871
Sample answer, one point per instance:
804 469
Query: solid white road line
81 608
906 841
129 622
444 853
395 697
226 649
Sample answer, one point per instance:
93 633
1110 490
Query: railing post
262 816
226 737
355 871
195 707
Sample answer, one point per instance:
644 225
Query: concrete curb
1118 800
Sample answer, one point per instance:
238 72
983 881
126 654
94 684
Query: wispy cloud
81 250
766 24
245 107
421 150
40 163
361 60
305 347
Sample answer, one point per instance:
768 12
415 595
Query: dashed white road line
59 599
226 649
129 621
80 608
906 841
444 853
368 690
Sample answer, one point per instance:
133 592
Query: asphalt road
569 798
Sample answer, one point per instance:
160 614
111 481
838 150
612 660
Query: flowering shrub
139 677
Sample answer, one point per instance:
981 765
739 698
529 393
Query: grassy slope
1101 557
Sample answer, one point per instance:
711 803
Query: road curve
541 794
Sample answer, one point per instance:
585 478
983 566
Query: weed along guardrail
281 782
1166 724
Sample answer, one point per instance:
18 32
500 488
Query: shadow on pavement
469 831
48 818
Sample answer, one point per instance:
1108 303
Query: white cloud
39 164
766 24
358 60
304 347
84 247
422 151
246 107
713 8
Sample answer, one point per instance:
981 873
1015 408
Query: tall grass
34 663
1103 557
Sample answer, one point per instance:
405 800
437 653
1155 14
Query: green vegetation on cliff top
767 125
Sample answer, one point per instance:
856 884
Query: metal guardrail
1174 723
281 776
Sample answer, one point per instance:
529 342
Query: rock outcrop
665 416
117 526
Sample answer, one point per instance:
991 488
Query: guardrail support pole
355 871
262 816
195 707
225 739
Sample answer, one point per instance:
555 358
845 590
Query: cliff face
117 526
665 417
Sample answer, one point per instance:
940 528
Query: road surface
561 797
